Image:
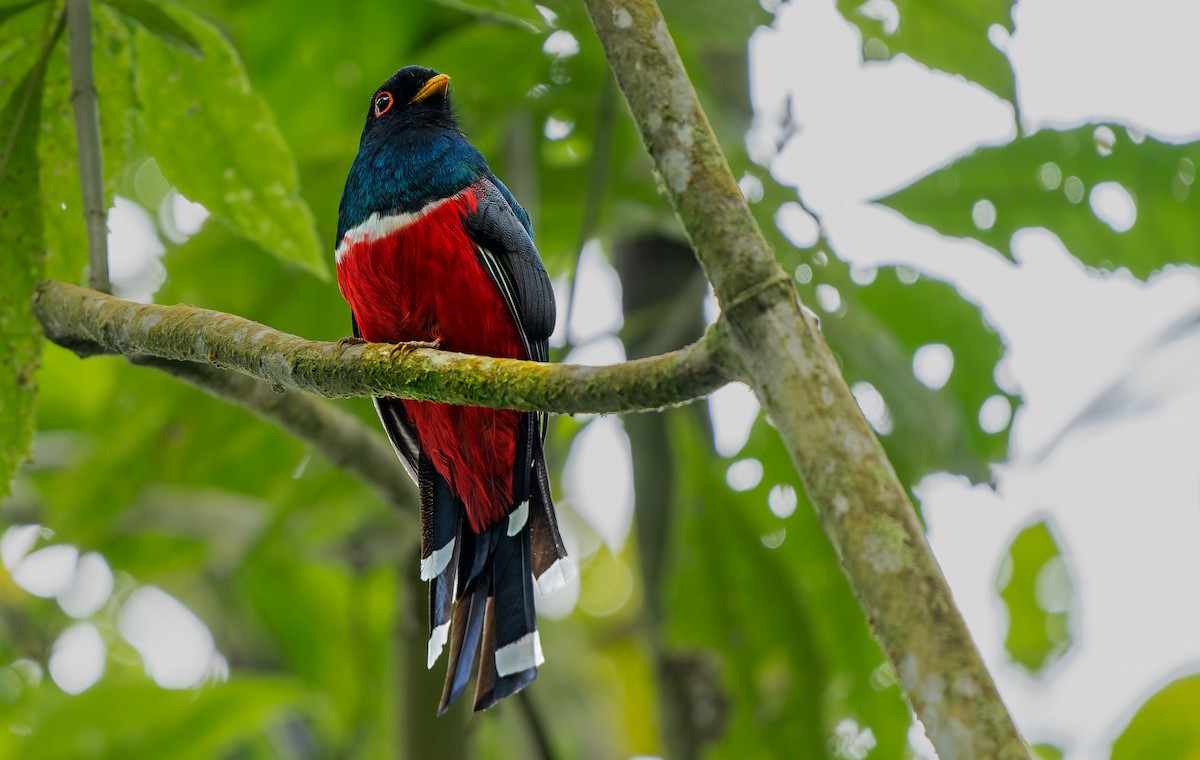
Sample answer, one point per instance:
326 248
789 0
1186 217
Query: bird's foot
403 348
350 340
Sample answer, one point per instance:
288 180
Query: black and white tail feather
481 585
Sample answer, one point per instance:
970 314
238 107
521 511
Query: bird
434 251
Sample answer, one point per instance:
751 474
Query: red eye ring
383 103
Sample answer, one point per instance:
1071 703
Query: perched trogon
433 249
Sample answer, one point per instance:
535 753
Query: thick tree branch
863 507
89 322
87 139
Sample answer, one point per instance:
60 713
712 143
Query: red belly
424 282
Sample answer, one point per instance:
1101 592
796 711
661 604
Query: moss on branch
89 322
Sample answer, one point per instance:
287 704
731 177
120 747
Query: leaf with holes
888 325
947 36
1115 198
216 140
882 332
1036 589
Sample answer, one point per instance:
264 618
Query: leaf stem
87 140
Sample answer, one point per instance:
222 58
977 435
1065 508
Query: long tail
491 576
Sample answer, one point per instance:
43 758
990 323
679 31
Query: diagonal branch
863 507
89 322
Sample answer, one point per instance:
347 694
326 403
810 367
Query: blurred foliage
766 595
1047 752
175 724
303 576
1036 589
1165 725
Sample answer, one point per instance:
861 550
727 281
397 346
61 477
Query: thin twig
87 138
537 726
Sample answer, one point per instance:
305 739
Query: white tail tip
433 565
522 654
517 518
556 576
437 642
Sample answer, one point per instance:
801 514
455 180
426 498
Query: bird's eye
383 102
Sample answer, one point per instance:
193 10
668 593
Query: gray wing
512 261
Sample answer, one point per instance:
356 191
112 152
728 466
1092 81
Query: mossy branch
89 322
865 510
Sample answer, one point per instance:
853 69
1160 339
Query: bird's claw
350 340
403 348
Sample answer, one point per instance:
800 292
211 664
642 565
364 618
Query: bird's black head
414 98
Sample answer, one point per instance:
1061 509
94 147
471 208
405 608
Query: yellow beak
437 84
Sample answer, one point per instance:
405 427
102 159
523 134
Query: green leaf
215 139
518 12
159 23
21 267
1048 180
1164 726
1037 591
153 722
948 36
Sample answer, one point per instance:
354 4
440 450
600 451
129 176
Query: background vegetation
724 628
